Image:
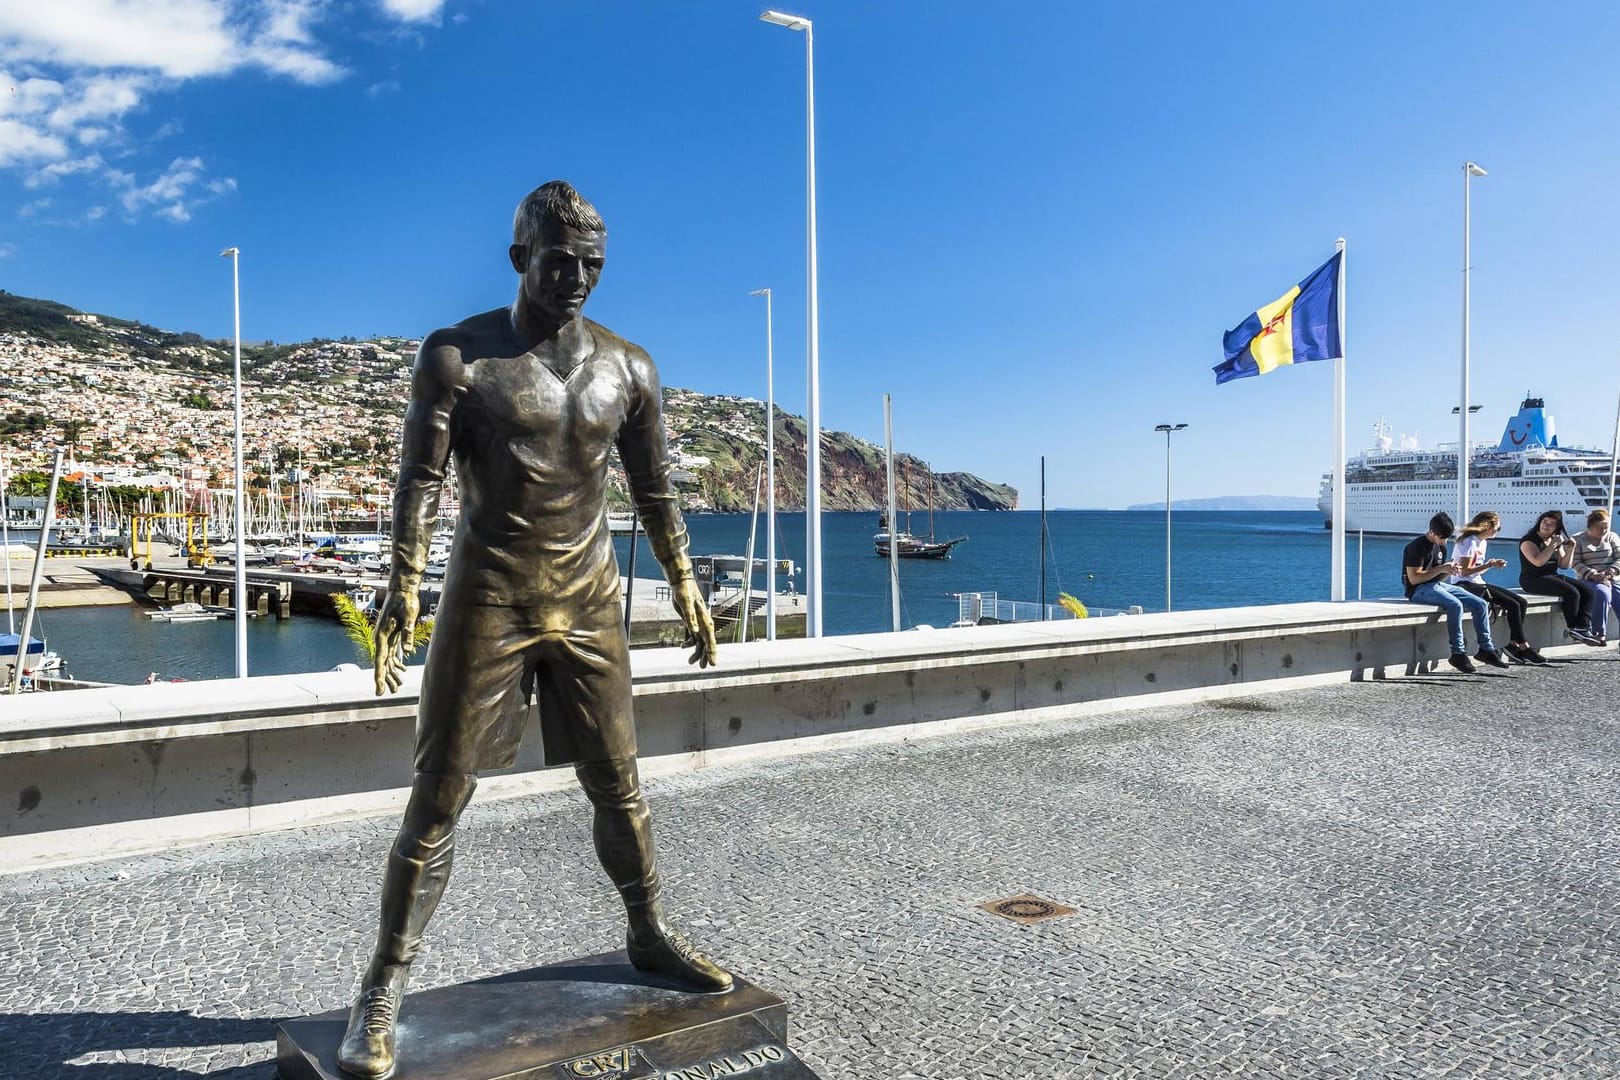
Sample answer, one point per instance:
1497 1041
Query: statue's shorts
484 662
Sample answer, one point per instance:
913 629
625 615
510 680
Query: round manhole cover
1026 909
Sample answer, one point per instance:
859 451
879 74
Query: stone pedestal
595 1018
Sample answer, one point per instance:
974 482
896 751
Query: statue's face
560 269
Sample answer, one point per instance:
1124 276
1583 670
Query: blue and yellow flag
1300 325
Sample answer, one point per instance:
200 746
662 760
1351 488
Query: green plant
358 626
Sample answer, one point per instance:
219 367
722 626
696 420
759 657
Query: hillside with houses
148 408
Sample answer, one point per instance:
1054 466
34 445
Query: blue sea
1108 559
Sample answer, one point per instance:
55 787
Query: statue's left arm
644 452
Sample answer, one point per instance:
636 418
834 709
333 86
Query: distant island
1233 502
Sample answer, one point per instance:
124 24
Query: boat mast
1043 537
930 471
746 615
39 573
5 540
894 545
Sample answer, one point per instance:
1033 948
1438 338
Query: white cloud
176 191
95 213
178 39
414 10
53 172
33 209
76 71
100 99
22 143
7 250
106 57
171 185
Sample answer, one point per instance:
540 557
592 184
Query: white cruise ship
1395 489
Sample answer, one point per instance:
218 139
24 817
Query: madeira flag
1300 325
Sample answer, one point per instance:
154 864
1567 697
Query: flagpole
1337 565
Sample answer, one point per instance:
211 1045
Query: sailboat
908 546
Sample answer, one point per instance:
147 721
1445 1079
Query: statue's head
559 245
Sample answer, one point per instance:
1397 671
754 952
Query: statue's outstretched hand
396 623
694 614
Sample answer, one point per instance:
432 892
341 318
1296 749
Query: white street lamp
238 527
770 472
1167 429
812 479
1470 170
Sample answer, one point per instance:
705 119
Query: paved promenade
1418 878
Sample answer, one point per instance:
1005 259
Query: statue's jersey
531 445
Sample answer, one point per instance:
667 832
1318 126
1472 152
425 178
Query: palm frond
355 625
420 636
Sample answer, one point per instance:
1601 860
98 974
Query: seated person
1597 553
1469 555
1423 571
1544 549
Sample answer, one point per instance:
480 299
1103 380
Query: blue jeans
1608 597
1454 601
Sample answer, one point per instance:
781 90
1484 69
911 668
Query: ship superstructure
1395 487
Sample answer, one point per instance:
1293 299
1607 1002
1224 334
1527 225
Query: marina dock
286 593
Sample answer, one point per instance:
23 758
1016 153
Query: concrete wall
91 773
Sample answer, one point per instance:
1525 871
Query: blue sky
1037 219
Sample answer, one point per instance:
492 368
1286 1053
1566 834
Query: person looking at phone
1469 555
1542 551
1424 569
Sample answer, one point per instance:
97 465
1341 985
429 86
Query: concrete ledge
93 773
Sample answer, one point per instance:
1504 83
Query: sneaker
1583 636
1535 657
1524 654
1461 662
1492 658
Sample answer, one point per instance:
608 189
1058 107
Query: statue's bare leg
622 829
418 867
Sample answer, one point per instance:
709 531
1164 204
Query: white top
1470 549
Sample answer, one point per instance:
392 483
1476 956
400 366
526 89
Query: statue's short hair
553 203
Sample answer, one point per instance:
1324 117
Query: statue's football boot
668 953
367 1050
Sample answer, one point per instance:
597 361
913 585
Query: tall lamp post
1167 429
238 525
812 478
770 472
1470 170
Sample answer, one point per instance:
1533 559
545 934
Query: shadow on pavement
43 1046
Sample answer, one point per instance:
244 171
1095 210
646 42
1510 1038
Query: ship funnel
1531 427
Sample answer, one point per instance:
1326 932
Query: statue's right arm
424 458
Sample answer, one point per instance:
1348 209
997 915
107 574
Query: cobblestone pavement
1404 879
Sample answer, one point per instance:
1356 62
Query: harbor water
1110 560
